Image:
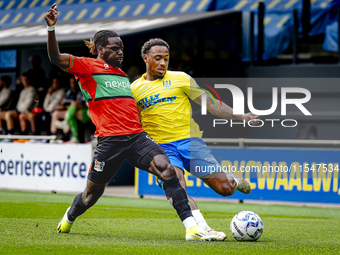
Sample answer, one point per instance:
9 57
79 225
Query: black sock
66 137
177 198
11 131
77 208
25 132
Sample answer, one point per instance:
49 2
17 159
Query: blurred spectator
42 116
18 85
60 110
134 72
73 108
188 63
5 97
16 93
76 111
25 103
38 78
71 95
55 95
37 74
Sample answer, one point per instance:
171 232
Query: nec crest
99 166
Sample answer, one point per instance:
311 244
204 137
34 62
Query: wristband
50 28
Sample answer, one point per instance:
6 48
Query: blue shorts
193 155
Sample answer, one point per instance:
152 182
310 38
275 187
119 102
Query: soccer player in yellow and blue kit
163 100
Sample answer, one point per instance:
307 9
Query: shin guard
77 208
177 198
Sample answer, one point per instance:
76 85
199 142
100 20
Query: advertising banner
44 167
297 175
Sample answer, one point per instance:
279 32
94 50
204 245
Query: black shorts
139 149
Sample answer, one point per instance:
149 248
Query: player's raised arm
224 111
56 58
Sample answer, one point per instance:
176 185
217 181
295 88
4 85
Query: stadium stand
331 37
15 13
278 20
222 48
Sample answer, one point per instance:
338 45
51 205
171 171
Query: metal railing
29 137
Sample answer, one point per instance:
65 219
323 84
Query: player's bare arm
56 58
224 111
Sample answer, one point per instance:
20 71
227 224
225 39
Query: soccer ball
246 226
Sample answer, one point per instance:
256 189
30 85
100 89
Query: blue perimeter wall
298 175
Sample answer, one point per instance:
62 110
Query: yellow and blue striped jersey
164 106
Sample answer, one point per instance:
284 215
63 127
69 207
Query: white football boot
220 236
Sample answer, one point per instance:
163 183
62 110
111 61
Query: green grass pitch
28 224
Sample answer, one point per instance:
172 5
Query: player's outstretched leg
225 184
177 197
200 221
198 234
242 185
81 203
198 216
65 224
220 183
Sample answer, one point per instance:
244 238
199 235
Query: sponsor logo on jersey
154 100
99 166
118 84
106 66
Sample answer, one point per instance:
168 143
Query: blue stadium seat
331 37
278 19
278 14
11 15
19 4
278 32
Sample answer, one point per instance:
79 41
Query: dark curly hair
154 42
100 39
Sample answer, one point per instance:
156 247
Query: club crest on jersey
99 166
167 83
106 66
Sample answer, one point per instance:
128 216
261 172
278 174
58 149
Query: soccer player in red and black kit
113 110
